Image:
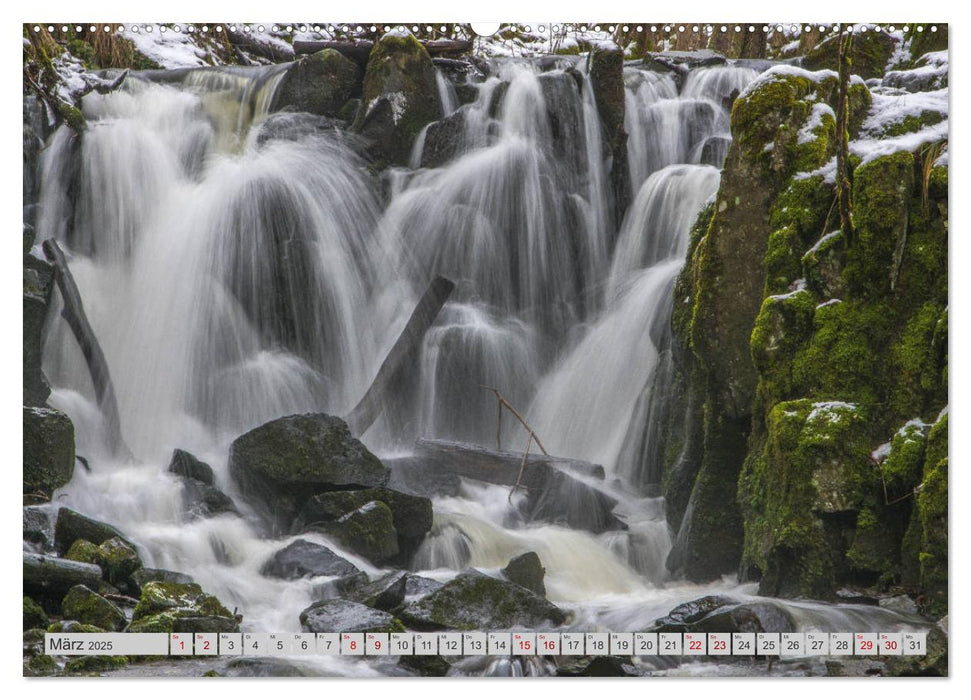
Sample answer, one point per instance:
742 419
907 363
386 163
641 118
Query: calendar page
427 349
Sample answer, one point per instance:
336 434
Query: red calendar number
377 644
205 645
549 645
866 646
720 645
524 644
891 645
695 645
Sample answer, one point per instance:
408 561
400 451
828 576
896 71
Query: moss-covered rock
40 665
93 665
473 600
368 531
814 468
48 451
321 83
74 626
34 615
411 515
399 97
118 560
280 464
162 604
869 54
932 509
72 526
83 551
606 71
87 607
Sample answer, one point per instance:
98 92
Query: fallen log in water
403 352
557 489
359 50
271 51
73 313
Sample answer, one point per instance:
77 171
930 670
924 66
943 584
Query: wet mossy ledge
818 457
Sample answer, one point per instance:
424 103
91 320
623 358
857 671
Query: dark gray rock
681 617
599 667
48 579
368 531
118 560
281 463
473 600
527 571
72 526
204 501
34 615
346 616
301 559
189 466
415 476
144 576
294 126
444 139
319 84
385 593
48 451
420 586
411 515
36 388
39 528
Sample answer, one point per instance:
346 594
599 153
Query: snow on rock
881 453
169 49
807 132
823 239
887 110
784 69
830 411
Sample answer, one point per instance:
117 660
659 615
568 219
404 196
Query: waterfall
233 277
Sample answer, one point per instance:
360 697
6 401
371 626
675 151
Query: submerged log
359 50
558 490
404 351
73 313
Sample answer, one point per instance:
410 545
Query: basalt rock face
812 361
400 96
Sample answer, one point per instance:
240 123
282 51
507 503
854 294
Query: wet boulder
400 96
144 576
48 451
420 586
36 388
385 593
301 559
346 616
746 617
118 560
411 515
444 139
294 126
48 579
473 600
320 84
83 551
189 466
527 571
599 667
682 616
162 604
38 528
281 463
368 531
34 615
87 607
72 526
201 500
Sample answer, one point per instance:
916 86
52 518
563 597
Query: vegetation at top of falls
869 53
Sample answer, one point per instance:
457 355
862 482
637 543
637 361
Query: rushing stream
232 279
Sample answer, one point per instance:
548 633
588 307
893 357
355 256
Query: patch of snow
827 171
940 415
169 49
881 453
830 302
795 288
783 70
871 149
886 110
807 132
823 239
830 411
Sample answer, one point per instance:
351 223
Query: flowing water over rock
233 279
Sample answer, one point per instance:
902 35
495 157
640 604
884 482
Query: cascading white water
232 281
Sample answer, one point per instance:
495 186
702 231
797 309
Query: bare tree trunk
404 349
843 186
754 44
73 313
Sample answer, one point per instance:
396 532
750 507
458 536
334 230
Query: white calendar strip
785 644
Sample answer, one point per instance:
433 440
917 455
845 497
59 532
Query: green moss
912 124
917 363
926 41
83 551
118 560
782 327
85 665
902 469
368 531
62 626
34 615
87 607
932 509
882 193
40 665
869 54
161 604
875 549
814 464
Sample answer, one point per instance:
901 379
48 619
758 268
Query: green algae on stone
118 560
87 607
932 508
34 615
83 551
162 604
869 54
89 665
